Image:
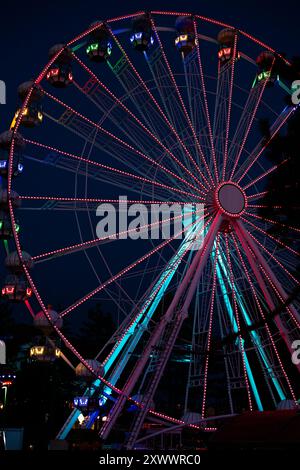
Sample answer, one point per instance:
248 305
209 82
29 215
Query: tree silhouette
95 331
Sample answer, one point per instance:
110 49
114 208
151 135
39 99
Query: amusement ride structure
163 107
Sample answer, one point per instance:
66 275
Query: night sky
29 28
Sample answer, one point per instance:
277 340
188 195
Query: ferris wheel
161 108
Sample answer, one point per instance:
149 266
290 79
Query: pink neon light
125 17
37 294
219 23
9 289
85 33
52 73
117 139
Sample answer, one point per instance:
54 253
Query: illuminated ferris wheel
122 110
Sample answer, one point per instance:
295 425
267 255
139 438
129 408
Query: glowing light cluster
45 353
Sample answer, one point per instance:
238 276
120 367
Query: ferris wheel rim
37 81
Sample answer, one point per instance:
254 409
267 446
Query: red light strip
11 159
125 17
257 195
29 308
96 241
120 141
96 200
85 33
263 206
266 173
110 168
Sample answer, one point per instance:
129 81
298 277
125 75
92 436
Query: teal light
253 333
288 90
235 329
5 243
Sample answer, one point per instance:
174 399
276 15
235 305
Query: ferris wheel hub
230 199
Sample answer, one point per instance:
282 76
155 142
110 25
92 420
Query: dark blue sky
29 28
